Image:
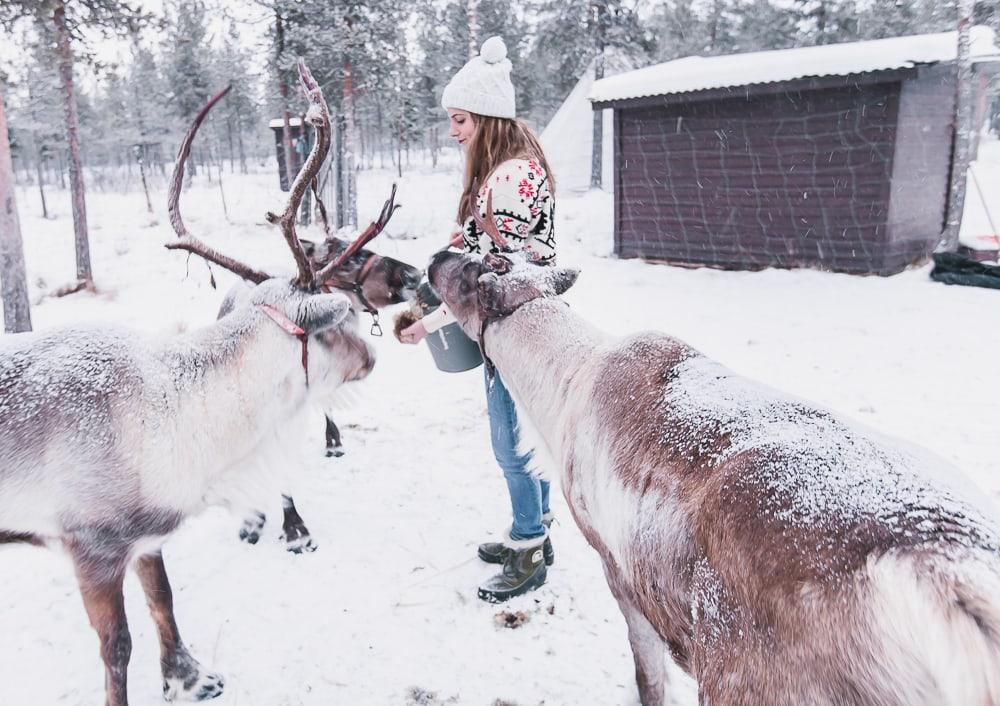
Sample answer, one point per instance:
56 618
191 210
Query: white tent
569 137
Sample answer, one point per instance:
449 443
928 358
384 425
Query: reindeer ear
323 311
564 278
500 295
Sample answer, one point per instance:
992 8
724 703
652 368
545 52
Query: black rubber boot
495 552
523 571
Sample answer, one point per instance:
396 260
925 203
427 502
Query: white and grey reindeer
109 438
371 282
779 554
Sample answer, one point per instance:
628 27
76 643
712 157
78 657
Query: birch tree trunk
351 200
65 56
963 126
13 279
472 10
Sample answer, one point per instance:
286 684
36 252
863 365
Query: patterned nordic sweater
523 209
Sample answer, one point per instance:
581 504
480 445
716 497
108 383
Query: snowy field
385 612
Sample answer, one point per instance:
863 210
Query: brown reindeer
109 438
781 555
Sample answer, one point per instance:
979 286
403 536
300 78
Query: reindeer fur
780 555
110 438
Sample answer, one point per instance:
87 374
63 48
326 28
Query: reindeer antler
487 224
185 240
369 233
319 116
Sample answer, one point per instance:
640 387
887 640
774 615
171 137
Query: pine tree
186 68
569 35
229 67
39 113
681 31
66 18
828 21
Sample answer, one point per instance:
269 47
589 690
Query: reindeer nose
410 277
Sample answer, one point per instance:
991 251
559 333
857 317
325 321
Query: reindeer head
496 285
297 306
370 280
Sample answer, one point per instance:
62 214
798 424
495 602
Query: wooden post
963 126
13 279
39 158
597 145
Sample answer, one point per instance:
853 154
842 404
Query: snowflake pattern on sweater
523 209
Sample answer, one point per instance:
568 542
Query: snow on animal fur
781 555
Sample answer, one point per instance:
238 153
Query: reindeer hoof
334 451
251 529
301 544
249 536
201 687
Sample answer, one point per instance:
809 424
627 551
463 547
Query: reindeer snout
409 277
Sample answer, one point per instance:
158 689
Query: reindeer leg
648 648
296 534
182 674
252 526
100 572
334 447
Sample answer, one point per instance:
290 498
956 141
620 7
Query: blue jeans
529 495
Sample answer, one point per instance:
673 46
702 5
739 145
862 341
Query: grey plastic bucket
452 350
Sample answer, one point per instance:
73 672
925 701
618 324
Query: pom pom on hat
493 50
483 85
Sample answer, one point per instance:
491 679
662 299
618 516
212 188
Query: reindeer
110 438
369 280
781 555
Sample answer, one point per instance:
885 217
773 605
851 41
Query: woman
505 158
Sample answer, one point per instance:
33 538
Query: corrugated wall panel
776 180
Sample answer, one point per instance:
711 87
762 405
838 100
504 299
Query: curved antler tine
186 241
321 206
366 236
487 224
305 76
319 116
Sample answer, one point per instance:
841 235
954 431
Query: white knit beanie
483 85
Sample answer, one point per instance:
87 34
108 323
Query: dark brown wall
921 166
796 178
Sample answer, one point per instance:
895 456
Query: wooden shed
835 156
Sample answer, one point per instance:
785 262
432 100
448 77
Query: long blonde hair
495 141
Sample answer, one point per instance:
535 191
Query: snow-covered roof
278 122
697 73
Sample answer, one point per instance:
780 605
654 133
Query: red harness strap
292 329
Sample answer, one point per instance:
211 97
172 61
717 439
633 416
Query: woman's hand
413 333
457 239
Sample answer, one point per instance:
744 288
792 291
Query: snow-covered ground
385 612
